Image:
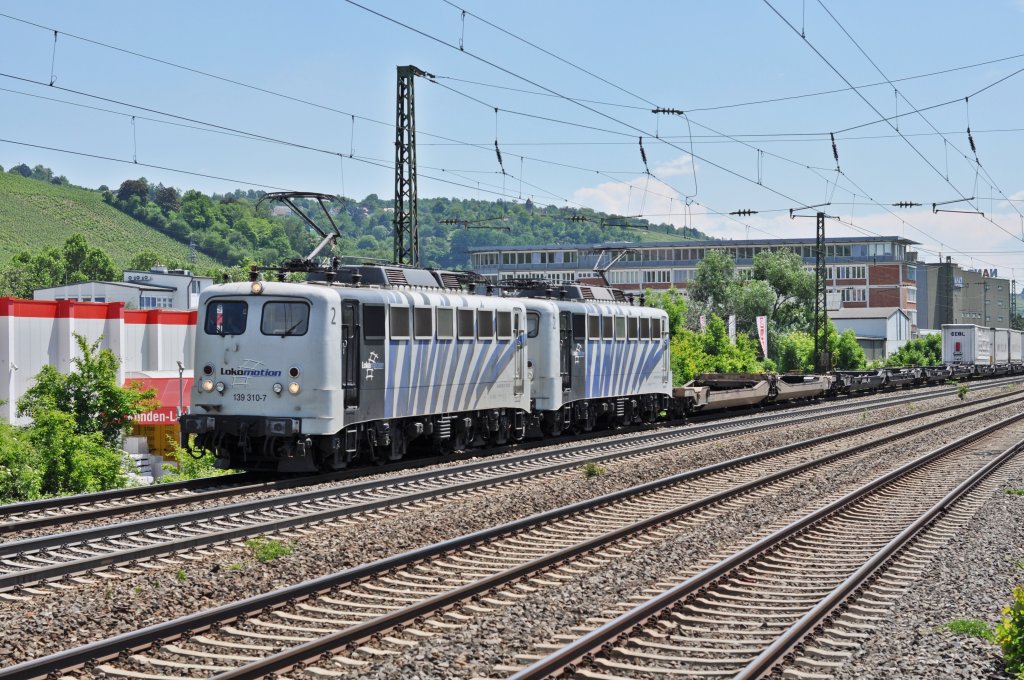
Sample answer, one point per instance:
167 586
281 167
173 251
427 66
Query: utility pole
822 358
407 232
949 307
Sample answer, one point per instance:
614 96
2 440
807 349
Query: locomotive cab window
445 323
594 326
373 321
504 325
645 328
634 327
656 329
285 318
485 324
399 318
466 329
579 326
532 324
620 328
226 317
423 322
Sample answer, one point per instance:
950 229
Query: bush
1010 634
19 477
71 463
189 466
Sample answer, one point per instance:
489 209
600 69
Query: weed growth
972 627
267 549
593 470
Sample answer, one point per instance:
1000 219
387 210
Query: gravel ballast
47 623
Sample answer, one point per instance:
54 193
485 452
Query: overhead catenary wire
584 106
873 107
351 150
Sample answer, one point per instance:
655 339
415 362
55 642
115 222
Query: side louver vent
449 280
396 277
587 293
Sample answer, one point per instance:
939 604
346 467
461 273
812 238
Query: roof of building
865 313
703 244
122 284
169 272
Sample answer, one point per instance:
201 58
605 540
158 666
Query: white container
1016 356
964 343
1001 353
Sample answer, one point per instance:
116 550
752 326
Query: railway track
27 566
51 513
330 625
803 597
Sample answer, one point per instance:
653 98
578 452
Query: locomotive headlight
277 388
293 388
256 287
208 385
221 387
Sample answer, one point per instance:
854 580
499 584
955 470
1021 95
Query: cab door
565 349
518 381
350 352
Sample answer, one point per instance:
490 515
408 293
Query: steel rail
12 521
84 566
568 657
106 649
163 496
686 436
824 610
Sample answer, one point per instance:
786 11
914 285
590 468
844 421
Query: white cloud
682 165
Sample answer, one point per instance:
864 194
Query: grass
181 575
36 215
593 470
971 627
267 549
1015 492
235 566
962 390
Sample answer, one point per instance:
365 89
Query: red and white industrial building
150 344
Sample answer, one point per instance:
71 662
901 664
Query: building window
911 294
658 276
855 294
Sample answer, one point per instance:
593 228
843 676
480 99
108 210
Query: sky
301 96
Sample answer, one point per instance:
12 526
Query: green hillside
35 215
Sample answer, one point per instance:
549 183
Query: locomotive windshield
226 317
285 318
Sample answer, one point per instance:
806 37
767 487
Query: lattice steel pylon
822 357
406 226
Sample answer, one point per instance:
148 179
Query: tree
167 198
21 169
144 260
673 302
712 282
90 394
848 355
134 187
793 287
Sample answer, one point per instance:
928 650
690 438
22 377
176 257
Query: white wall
36 333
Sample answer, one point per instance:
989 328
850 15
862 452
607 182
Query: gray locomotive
355 367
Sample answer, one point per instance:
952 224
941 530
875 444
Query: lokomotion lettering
251 372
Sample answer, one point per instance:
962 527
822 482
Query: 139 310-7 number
245 396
